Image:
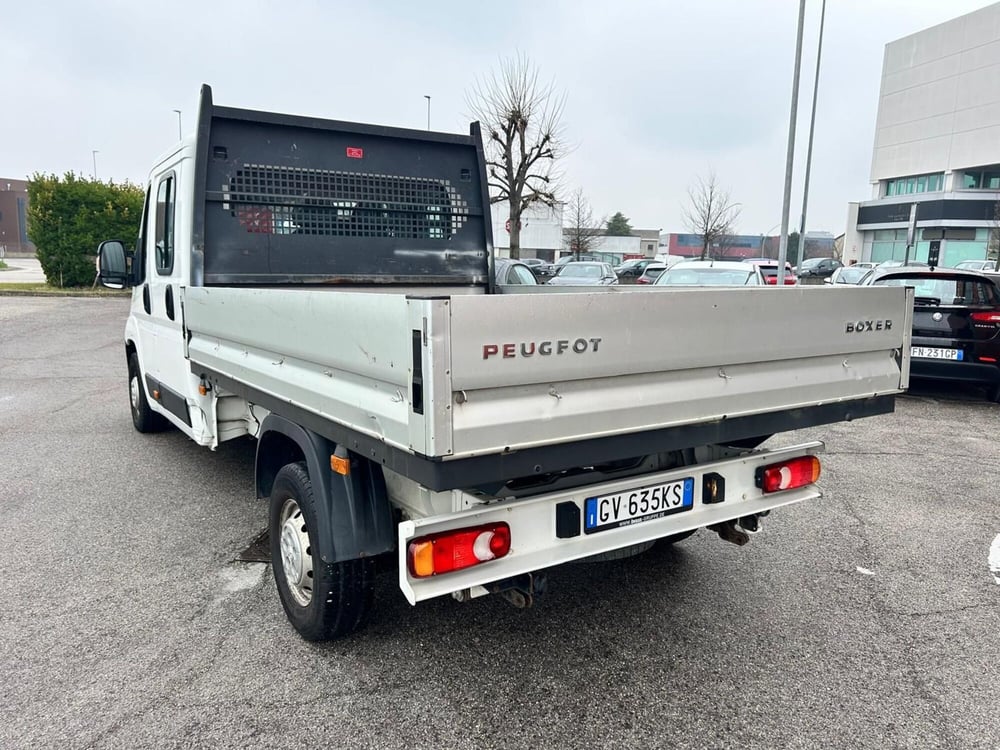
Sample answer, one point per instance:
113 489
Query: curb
60 293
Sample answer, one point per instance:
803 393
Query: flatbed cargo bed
447 387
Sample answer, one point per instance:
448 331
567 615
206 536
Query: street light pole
94 153
767 235
428 98
180 132
812 127
790 157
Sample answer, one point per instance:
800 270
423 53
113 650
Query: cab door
167 376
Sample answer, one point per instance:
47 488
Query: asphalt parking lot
867 619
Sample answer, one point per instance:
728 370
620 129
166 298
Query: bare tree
583 229
522 121
993 245
711 214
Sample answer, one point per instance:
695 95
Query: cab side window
139 259
164 236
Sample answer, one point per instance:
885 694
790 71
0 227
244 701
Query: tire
144 419
993 393
321 600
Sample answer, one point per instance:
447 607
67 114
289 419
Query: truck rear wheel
322 600
144 419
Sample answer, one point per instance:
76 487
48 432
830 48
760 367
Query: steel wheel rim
133 392
296 557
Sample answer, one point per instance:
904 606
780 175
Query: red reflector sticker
355 153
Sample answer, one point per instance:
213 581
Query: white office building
937 145
541 230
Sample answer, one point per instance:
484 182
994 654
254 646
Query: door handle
168 299
146 305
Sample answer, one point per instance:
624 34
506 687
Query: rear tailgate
539 369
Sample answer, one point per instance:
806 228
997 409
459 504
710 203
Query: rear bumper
967 372
535 544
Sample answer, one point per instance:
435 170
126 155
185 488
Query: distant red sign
355 153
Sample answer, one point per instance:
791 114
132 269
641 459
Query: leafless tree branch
993 245
582 228
522 118
711 214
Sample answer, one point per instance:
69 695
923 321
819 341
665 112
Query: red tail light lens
986 317
788 475
454 550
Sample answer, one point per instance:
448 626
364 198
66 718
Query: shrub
69 216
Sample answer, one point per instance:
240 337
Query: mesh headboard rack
283 199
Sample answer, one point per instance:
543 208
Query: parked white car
711 273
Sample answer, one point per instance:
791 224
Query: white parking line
994 559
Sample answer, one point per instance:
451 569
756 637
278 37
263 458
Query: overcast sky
658 93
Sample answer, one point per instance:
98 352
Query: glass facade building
936 148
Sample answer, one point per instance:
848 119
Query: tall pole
812 127
766 236
428 98
790 157
94 154
180 131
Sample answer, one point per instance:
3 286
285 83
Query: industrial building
14 218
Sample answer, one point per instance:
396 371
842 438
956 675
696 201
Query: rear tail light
787 475
986 317
449 551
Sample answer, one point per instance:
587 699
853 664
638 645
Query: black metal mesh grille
286 200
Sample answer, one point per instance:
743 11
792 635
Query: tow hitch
738 531
521 591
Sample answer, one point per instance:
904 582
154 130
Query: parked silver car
847 275
584 273
513 273
977 265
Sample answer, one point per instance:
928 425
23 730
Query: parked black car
818 267
956 324
632 269
542 269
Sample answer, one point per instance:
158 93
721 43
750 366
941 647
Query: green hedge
69 216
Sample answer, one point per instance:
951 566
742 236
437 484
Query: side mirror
112 264
828 280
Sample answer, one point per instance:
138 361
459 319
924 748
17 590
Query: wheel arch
353 514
